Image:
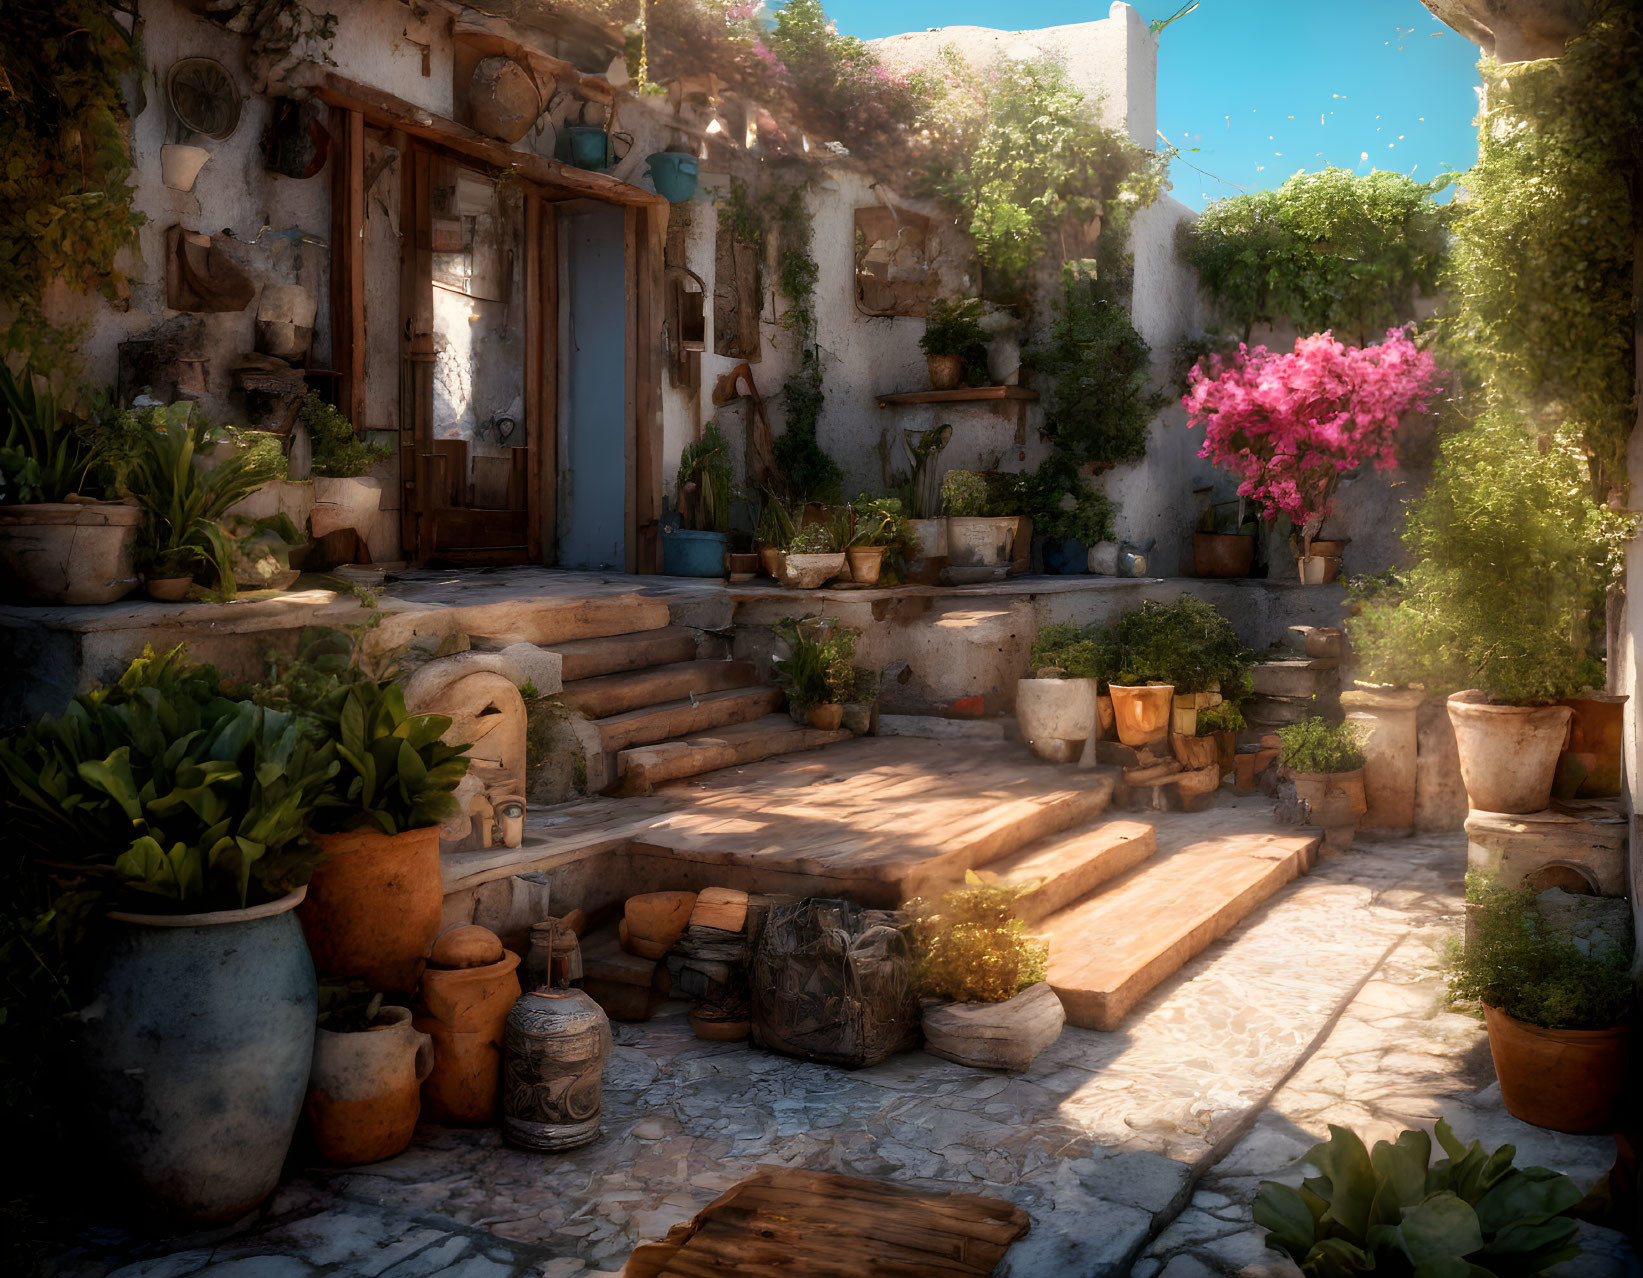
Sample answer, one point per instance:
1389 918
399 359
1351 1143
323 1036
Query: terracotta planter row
1233 555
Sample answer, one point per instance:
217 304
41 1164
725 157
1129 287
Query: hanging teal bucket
673 174
589 147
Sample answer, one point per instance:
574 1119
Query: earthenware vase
463 1010
374 905
197 1040
1564 1080
946 371
1142 714
1222 554
554 1050
363 1091
1508 754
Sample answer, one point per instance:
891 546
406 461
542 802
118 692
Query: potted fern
694 545
981 977
816 674
954 343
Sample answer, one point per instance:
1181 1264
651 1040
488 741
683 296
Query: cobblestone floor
1133 1152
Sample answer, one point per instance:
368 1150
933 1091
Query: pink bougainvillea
1291 422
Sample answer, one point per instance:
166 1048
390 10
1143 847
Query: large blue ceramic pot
693 554
1065 555
673 174
198 1039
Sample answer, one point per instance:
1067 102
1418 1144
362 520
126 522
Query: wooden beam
535 357
387 111
348 264
547 467
650 276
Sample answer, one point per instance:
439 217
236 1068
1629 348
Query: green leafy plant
1099 404
970 946
396 773
964 493
704 481
923 448
879 521
1317 745
776 523
952 326
163 786
1395 644
1064 506
815 539
1066 651
1186 643
816 670
1394 1212
338 451
1518 962
185 502
811 474
1328 250
44 458
1226 717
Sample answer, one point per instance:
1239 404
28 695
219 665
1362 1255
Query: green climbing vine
65 158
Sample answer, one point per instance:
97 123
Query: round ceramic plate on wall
204 97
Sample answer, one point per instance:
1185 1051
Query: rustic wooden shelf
1017 397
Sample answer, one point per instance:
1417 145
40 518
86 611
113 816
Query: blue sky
1264 88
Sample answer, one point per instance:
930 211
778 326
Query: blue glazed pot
673 174
693 554
589 147
198 1040
1064 556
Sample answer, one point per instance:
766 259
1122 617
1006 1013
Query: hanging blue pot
589 147
673 174
693 554
1065 555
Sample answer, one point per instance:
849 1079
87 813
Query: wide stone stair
1124 907
664 702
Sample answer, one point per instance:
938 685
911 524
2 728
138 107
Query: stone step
643 767
590 658
1109 950
685 718
1060 870
612 694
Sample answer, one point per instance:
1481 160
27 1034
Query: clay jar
1508 754
463 1009
1336 801
373 905
1057 716
554 1053
1564 1080
363 1093
1142 714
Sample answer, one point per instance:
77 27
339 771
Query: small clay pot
463 1011
1195 753
825 718
946 371
865 564
1564 1080
1222 554
167 589
374 905
1142 715
363 1098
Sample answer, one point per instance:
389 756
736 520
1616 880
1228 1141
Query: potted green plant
186 503
694 545
922 498
877 528
373 907
1069 515
364 1090
774 534
979 543
954 343
816 674
1392 1210
164 821
1222 724
985 1000
1186 646
1559 1016
1325 762
55 547
1058 704
814 557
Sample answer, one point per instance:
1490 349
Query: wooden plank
650 271
683 718
535 359
348 345
630 385
545 472
384 110
605 695
590 658
417 300
960 395
644 767
1058 871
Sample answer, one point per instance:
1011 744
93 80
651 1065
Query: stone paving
1134 1152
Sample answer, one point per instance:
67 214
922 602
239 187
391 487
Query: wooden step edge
642 768
636 650
684 718
1093 857
603 696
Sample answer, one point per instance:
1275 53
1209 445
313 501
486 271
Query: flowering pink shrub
1291 423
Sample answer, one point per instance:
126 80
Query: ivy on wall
1328 250
1541 281
65 158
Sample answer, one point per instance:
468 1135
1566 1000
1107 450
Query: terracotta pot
1222 554
1594 745
68 552
1565 1080
770 561
1508 754
1104 716
1389 745
1195 753
811 572
1056 716
373 906
946 371
363 1098
1336 799
825 718
1142 715
463 1011
1330 549
167 589
1318 570
196 1042
865 563
553 1063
